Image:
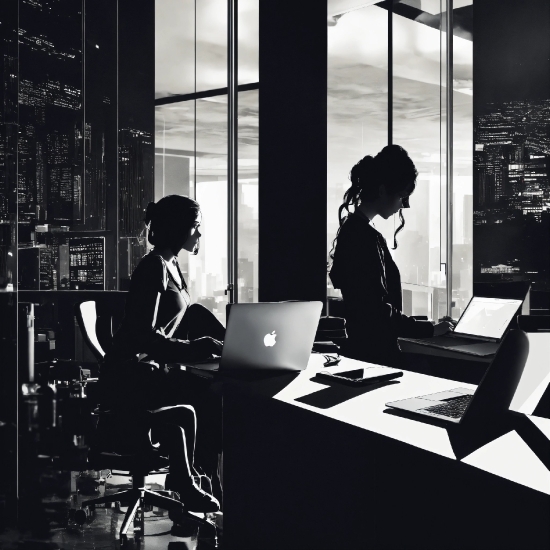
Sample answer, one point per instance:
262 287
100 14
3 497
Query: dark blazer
364 271
155 306
133 374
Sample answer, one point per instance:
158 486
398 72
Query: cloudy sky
176 45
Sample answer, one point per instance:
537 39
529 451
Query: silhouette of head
390 175
173 222
391 168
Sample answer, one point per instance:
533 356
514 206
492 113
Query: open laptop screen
488 317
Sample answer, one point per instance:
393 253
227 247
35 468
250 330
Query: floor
101 531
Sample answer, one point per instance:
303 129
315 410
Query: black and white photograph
275 275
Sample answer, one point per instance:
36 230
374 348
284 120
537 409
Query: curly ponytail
391 167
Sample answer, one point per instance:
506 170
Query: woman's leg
175 429
197 322
184 417
188 388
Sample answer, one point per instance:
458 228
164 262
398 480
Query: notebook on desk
493 395
479 329
273 336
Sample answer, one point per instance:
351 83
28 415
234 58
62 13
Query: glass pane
67 157
417 128
135 135
249 42
208 270
357 103
248 197
211 45
462 158
175 149
51 141
175 159
174 47
99 185
8 146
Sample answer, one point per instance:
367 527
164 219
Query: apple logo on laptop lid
269 339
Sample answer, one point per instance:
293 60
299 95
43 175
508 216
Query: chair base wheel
84 515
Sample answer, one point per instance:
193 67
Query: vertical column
293 150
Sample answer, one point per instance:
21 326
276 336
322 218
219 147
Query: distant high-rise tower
136 179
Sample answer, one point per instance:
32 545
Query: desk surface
508 456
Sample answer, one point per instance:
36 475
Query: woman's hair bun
150 212
360 172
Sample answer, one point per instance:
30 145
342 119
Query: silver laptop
493 395
271 336
479 329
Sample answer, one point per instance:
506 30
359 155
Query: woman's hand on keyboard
443 328
450 319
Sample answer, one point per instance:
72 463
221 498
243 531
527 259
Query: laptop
535 380
493 395
479 329
272 336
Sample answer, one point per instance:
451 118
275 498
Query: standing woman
363 268
161 327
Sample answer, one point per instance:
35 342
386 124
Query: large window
191 137
67 119
363 117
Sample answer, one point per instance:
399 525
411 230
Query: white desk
334 471
508 456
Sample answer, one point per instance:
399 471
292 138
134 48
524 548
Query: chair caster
84 515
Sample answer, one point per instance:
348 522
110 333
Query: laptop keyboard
453 408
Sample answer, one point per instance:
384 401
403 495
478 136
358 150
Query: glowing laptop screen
488 317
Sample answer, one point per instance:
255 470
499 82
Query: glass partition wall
387 83
192 133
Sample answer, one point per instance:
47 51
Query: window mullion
449 147
232 156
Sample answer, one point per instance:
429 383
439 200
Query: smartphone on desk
359 376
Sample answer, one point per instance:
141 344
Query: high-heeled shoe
193 497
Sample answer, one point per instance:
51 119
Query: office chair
140 458
86 315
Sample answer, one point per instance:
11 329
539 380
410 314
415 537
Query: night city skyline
512 145
512 191
71 136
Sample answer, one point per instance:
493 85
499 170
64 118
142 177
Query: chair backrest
498 386
86 315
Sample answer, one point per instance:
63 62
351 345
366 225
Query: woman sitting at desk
160 327
363 268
